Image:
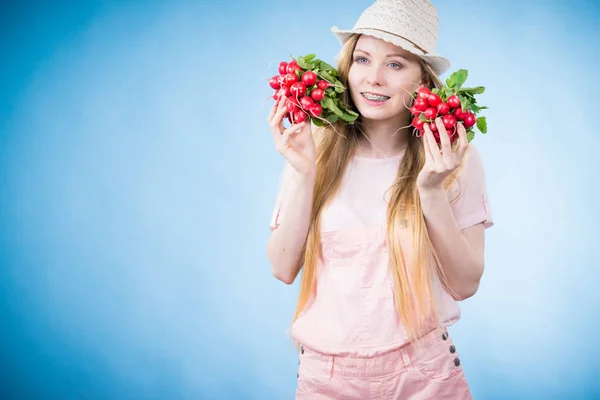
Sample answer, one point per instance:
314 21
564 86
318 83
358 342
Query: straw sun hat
409 24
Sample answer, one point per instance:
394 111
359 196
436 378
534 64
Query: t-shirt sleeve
468 197
278 210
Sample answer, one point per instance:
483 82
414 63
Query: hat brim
439 64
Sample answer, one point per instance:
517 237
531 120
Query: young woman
387 227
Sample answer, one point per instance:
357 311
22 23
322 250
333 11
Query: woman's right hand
295 143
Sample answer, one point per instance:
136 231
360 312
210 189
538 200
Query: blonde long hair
413 291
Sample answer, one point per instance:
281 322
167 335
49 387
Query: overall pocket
311 374
439 362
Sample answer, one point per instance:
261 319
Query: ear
425 81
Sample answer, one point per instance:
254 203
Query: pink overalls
353 345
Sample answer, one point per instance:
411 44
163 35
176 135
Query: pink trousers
431 371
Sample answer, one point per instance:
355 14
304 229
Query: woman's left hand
439 164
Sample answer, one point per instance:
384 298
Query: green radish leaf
435 90
326 103
423 118
324 65
457 79
310 57
474 90
302 62
482 124
331 92
332 118
483 108
442 94
470 134
464 103
328 77
468 96
352 113
332 106
347 117
317 121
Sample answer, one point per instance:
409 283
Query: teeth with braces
374 97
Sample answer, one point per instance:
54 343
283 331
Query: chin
375 114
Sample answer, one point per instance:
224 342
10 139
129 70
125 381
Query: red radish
283 68
317 94
293 67
470 120
289 79
430 113
453 101
451 133
417 123
436 136
300 116
292 105
322 84
302 90
445 102
443 108
275 83
315 110
281 93
423 93
298 89
459 114
306 102
421 104
309 78
414 111
434 100
449 121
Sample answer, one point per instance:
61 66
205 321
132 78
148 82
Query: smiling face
382 78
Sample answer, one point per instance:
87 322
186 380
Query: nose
375 76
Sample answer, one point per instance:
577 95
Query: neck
385 138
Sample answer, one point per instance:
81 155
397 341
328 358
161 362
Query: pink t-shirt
353 312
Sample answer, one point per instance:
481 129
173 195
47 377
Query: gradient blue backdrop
138 175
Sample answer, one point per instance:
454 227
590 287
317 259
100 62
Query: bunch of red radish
428 106
302 89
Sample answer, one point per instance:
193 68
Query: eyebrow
389 55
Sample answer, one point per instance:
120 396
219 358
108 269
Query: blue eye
357 59
397 65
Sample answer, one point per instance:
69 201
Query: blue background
138 176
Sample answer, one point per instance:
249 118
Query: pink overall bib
353 343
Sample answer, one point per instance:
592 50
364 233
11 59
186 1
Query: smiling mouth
374 97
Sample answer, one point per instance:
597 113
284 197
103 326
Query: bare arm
456 232
297 145
460 252
287 240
